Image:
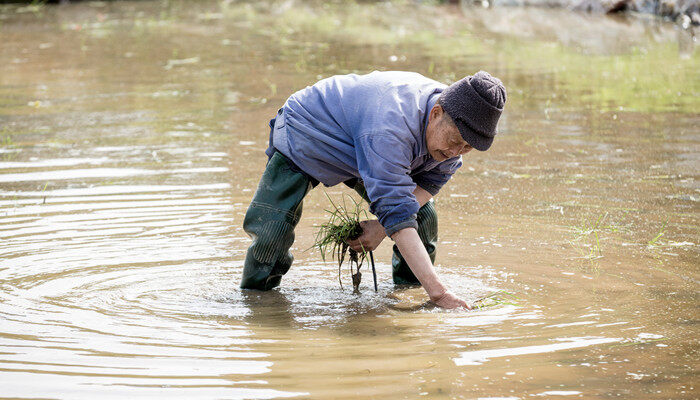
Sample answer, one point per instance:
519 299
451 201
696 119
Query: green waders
276 210
270 221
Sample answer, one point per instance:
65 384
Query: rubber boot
427 231
270 221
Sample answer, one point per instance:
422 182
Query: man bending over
396 138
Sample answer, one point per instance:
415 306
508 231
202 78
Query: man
397 138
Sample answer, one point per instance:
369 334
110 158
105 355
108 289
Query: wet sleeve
433 180
383 161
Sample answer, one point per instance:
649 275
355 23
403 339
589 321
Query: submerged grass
500 298
588 236
655 248
656 241
587 239
333 236
5 138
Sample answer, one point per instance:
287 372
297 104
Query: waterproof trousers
274 213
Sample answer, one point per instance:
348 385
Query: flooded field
131 142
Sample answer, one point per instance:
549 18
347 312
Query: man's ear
436 112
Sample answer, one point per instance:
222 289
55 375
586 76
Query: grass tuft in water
587 237
500 298
5 138
333 236
656 241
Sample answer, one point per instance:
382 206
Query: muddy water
131 142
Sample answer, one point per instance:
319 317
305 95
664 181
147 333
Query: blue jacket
370 127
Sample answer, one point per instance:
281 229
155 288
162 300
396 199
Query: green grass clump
587 237
5 138
656 241
500 298
333 236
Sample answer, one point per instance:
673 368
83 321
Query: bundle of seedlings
333 236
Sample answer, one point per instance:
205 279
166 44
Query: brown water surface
131 139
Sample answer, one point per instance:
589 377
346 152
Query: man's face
443 137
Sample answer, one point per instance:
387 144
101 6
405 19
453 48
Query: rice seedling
592 231
332 237
6 138
43 190
500 298
656 241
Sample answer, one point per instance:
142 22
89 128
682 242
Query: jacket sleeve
383 162
433 180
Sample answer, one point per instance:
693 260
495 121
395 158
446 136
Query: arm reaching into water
414 253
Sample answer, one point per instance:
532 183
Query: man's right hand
449 300
372 235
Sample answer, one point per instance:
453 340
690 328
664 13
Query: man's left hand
372 234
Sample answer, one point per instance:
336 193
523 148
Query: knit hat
475 103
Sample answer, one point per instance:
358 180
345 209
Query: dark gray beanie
475 103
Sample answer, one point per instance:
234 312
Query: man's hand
449 300
372 234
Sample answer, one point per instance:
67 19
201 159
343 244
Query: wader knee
270 220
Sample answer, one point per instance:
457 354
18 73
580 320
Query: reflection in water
131 139
481 356
96 173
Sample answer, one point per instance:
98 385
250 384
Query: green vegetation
325 38
333 236
43 190
34 6
310 34
587 238
499 298
610 83
655 247
656 241
5 138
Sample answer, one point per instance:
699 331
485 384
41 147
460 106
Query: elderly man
396 138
